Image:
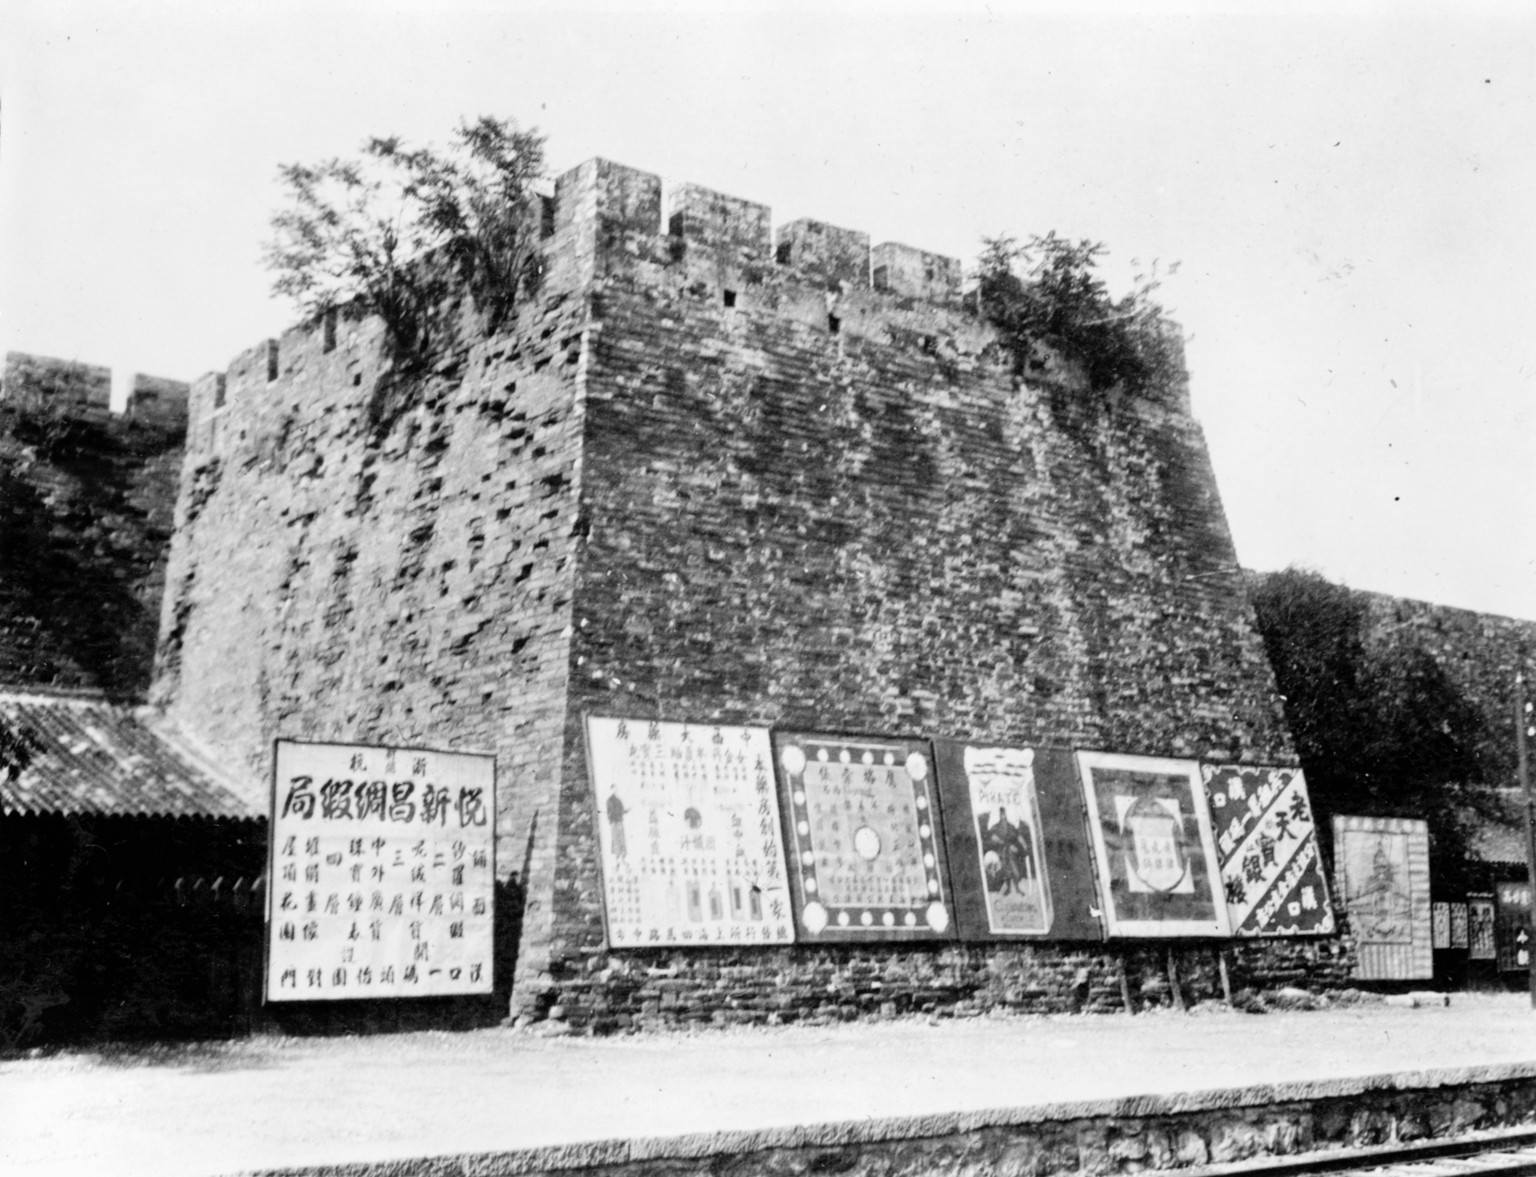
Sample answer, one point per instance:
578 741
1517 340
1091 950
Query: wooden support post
1226 981
1125 988
1173 981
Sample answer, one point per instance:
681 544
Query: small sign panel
688 833
1459 922
1514 926
867 852
1482 928
381 872
1151 834
1440 925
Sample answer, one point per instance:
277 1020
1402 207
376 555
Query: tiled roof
90 756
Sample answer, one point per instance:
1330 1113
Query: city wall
715 473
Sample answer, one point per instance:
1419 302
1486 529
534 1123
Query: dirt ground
222 1108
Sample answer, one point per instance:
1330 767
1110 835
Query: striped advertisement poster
1266 845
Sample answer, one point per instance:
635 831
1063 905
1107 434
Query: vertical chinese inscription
688 833
381 873
1513 938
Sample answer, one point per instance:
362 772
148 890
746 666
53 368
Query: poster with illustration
1460 919
1019 857
688 834
1383 868
1440 926
1513 935
1266 845
866 848
1152 838
1480 937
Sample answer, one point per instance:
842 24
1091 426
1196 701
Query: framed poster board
1459 926
1482 928
381 868
866 847
1440 926
1151 834
1019 857
688 834
1383 869
1513 934
1266 846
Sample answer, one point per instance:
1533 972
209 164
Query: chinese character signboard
688 834
1151 835
1018 854
1514 926
867 854
1478 934
381 871
1266 845
1459 919
1440 925
1383 868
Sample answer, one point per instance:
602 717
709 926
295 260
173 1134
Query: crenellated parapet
67 387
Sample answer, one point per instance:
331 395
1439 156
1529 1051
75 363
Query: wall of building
711 473
86 503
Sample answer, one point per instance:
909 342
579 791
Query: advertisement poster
1266 845
1152 837
1440 925
382 872
867 851
688 834
1482 937
1459 922
1514 926
1019 857
1383 866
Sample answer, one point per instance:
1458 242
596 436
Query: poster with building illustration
1513 926
1266 845
382 872
688 834
1480 935
866 848
1383 880
1152 837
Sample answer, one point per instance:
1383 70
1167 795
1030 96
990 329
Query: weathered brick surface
86 502
698 481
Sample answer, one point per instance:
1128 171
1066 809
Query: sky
1349 191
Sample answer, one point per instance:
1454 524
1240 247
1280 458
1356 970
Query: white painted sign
381 872
688 833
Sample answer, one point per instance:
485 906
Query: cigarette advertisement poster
1152 837
1460 918
1019 857
866 847
1383 867
1266 844
688 834
1440 925
382 872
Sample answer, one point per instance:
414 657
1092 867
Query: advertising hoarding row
730 834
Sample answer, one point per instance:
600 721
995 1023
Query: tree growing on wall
391 232
1047 290
1381 729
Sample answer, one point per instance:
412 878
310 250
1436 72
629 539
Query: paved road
270 1102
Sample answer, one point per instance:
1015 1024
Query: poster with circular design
866 848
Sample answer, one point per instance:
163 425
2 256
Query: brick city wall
86 503
711 475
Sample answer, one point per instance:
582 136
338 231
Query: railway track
1503 1153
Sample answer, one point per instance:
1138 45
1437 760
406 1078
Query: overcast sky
1352 200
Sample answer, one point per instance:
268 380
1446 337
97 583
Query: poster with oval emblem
1151 834
865 845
